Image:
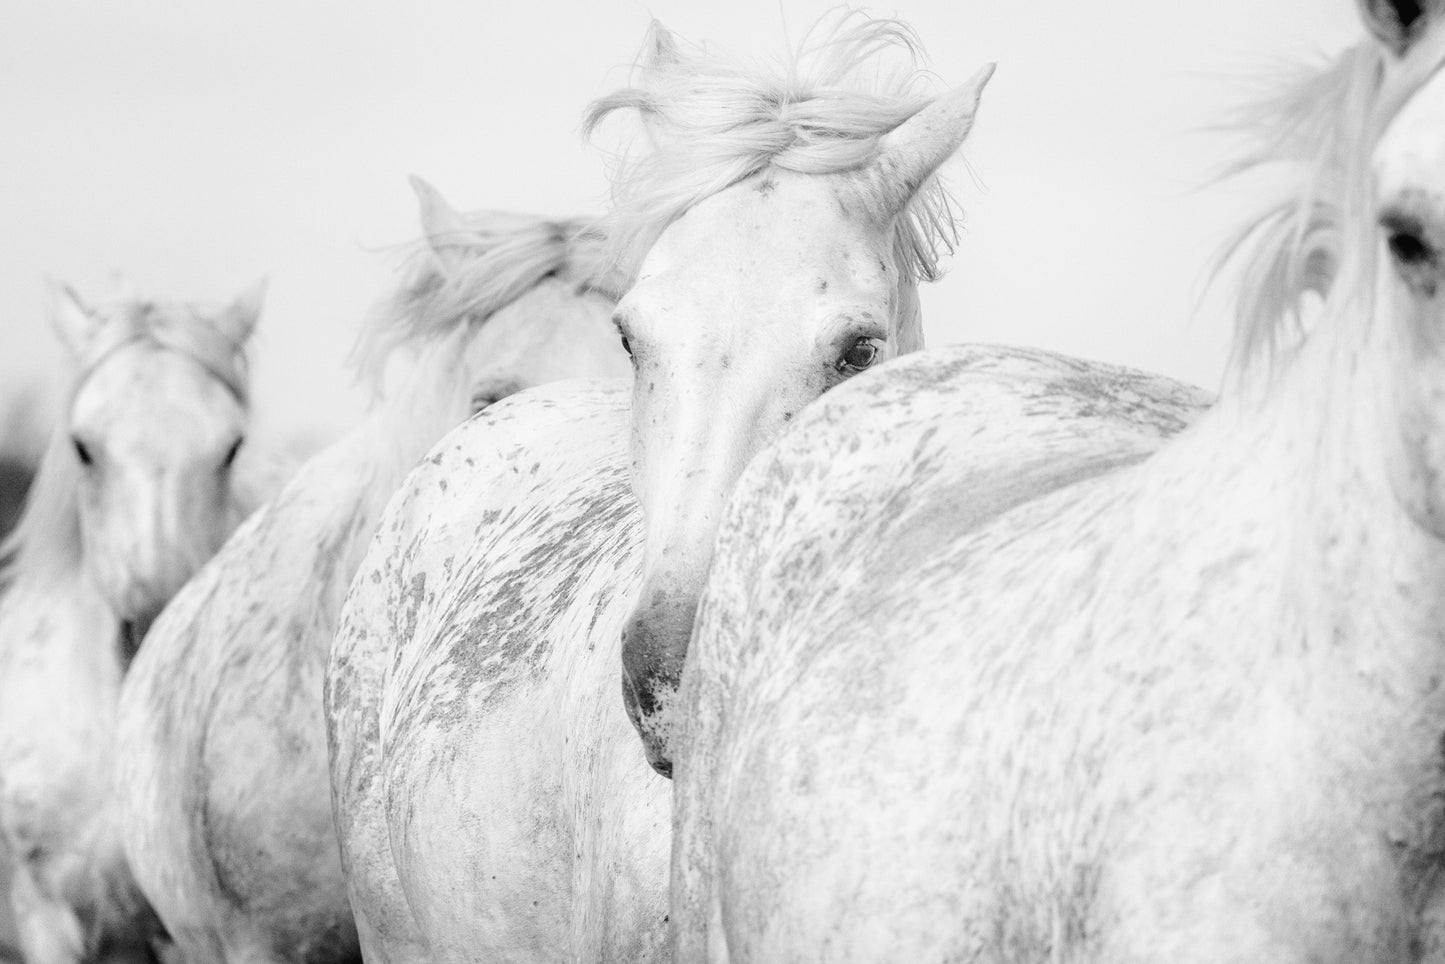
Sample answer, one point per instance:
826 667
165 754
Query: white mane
436 310
1324 126
497 259
711 122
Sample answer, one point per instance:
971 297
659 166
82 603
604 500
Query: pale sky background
197 147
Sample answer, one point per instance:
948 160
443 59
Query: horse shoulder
516 637
417 561
892 466
911 498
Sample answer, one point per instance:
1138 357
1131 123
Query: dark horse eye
231 453
627 346
862 354
81 452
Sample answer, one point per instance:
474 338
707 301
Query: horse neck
1357 568
332 505
431 399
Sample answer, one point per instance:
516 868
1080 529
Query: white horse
1184 709
490 796
139 485
226 794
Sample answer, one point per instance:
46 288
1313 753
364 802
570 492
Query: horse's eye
860 355
492 392
626 346
232 452
82 453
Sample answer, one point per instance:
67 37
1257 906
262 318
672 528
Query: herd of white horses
673 603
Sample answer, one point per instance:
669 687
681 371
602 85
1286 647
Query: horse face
750 305
552 334
156 437
753 304
1409 208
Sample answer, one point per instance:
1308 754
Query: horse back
833 566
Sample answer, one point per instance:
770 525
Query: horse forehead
155 391
1413 146
774 222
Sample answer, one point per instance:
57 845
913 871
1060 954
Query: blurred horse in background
143 478
227 801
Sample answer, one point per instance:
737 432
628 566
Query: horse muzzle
654 648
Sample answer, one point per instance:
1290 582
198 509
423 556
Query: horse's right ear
910 153
72 320
1399 23
238 319
659 50
443 226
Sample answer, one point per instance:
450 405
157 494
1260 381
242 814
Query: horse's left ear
73 321
238 319
910 153
1399 23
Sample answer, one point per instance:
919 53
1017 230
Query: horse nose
132 634
654 646
141 599
1413 222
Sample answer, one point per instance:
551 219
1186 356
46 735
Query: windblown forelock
710 122
1324 126
497 259
177 327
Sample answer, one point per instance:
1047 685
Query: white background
197 147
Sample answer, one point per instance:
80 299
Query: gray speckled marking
529 561
499 628
1045 687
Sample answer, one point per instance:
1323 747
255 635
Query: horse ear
659 50
75 323
440 222
238 319
910 153
1397 24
